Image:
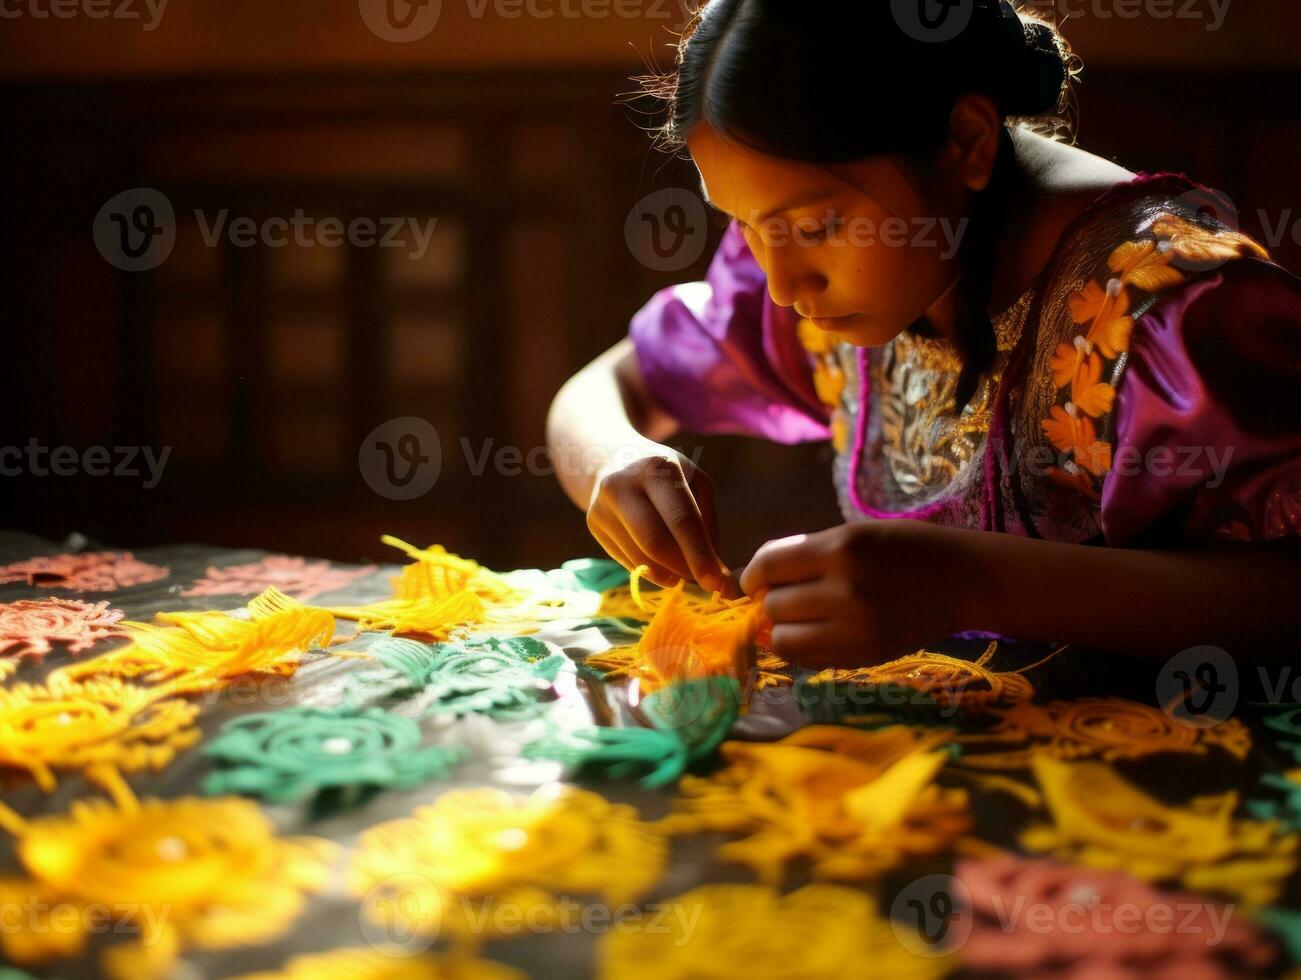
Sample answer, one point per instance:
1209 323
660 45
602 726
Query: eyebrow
787 205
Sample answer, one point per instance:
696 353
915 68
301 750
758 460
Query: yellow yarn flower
102 727
1102 821
378 964
855 803
201 873
450 865
820 932
199 651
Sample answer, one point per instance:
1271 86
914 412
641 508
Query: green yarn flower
617 753
288 755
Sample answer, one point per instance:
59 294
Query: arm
600 413
869 591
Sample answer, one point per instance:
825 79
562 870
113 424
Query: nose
790 279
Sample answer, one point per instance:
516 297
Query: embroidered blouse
1143 392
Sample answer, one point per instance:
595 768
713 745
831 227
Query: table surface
332 918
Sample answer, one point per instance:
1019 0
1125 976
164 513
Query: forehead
737 178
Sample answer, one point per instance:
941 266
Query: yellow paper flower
201 873
1102 821
101 727
855 803
820 932
451 864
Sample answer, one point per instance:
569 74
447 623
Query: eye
810 230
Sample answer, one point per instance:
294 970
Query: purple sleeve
721 357
1208 414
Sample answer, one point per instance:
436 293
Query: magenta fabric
1214 376
721 357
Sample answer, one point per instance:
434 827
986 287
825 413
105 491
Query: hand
865 592
658 511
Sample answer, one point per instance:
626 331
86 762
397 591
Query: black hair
773 75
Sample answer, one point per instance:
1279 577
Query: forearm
1136 601
602 413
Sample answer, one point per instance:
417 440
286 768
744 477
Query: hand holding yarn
658 511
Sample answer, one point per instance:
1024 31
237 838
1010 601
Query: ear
975 128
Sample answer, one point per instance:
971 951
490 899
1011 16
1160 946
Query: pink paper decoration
94 571
27 627
295 577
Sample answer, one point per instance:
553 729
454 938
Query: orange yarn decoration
102 727
199 651
1109 728
430 618
855 803
950 681
436 573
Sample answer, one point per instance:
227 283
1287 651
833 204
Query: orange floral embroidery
1103 310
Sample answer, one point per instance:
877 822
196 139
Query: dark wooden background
263 369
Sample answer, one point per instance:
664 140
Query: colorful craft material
447 866
188 873
100 727
1101 821
430 618
950 681
29 626
297 578
818 932
199 651
616 753
436 573
1106 728
1043 918
92 571
297 752
385 964
854 803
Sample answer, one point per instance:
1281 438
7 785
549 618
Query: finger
651 535
804 644
802 603
611 549
702 488
617 531
783 562
680 515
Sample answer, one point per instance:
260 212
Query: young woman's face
858 248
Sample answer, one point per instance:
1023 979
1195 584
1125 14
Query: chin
864 332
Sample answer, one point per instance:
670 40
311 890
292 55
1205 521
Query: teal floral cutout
699 712
617 753
590 574
295 753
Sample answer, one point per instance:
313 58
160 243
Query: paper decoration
1101 821
294 753
855 804
448 866
819 932
297 578
101 727
190 873
94 571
